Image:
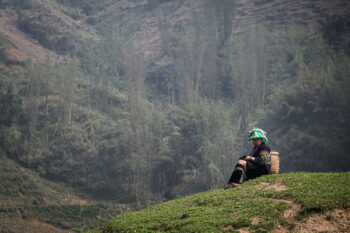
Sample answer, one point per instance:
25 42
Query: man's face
257 141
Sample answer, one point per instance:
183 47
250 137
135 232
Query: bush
47 35
23 4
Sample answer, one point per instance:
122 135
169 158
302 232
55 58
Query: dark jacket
262 163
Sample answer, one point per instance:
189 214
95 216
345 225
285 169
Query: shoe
230 185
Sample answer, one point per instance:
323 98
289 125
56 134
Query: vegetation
46 34
125 127
23 4
24 192
217 209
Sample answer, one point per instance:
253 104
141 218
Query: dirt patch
280 229
291 212
255 221
331 221
288 214
15 56
228 228
76 201
241 230
276 187
24 43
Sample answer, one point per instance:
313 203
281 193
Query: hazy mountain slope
40 31
29 203
22 41
253 12
155 97
29 29
310 13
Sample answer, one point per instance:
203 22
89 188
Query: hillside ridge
293 202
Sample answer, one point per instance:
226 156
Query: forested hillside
140 101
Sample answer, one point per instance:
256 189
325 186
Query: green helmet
257 133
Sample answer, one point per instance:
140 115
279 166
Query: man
256 164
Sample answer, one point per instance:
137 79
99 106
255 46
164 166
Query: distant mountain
42 28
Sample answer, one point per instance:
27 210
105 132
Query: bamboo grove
119 127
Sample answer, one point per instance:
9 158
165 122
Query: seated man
256 164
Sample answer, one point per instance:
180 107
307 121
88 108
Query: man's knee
242 162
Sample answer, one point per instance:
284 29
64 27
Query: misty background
140 101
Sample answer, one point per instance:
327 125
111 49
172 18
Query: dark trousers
252 172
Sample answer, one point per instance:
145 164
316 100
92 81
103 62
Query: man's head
258 136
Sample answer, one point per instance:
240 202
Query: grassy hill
307 202
29 203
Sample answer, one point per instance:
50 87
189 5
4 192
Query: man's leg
238 172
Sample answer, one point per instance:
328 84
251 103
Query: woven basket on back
275 162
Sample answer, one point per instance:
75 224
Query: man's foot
230 185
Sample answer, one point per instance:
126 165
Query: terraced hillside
50 29
253 12
310 13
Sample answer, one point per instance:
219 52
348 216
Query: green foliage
23 4
315 101
5 42
203 144
24 191
10 111
218 208
47 33
68 216
336 31
122 128
20 185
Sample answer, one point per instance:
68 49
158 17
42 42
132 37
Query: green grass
68 216
5 41
24 191
212 210
21 185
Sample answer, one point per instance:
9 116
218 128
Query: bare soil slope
23 42
42 14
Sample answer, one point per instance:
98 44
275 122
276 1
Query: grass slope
24 195
21 186
257 206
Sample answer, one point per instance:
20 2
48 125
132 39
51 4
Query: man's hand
248 158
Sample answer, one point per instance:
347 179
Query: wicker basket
275 162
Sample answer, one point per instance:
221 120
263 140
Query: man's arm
264 158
